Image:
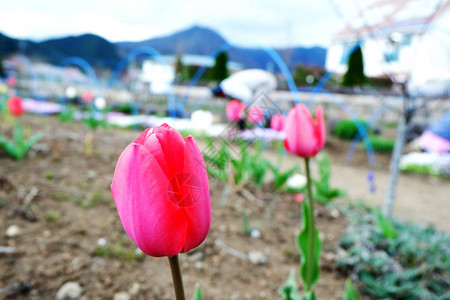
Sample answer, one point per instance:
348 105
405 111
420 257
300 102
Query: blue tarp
442 127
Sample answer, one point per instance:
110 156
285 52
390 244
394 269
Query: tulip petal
199 213
143 136
320 128
140 190
172 145
153 146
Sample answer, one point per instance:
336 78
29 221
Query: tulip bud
234 110
160 188
255 114
277 122
304 136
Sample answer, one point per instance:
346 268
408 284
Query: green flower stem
311 226
176 277
280 147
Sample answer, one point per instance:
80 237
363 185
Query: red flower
15 106
277 122
234 110
304 136
160 188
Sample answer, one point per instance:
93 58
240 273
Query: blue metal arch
144 50
319 88
361 131
272 54
85 66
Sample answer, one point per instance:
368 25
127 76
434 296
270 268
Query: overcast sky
241 22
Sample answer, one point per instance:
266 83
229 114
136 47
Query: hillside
195 40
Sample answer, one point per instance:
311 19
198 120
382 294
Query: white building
407 40
159 76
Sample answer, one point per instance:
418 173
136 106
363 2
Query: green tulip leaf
309 269
290 289
198 293
351 293
309 296
385 225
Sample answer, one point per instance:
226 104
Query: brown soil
73 209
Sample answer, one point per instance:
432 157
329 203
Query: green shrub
126 108
382 145
347 129
415 264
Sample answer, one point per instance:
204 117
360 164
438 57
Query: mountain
195 40
8 45
204 41
92 48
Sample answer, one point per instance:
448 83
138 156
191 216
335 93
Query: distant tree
2 69
220 70
179 68
355 69
304 75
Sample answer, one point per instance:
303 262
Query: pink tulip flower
277 122
160 188
255 114
234 110
304 136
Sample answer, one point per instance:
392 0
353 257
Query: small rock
257 258
156 290
263 295
69 290
322 236
197 256
199 265
329 256
101 242
7 250
335 213
134 289
121 296
255 233
91 174
234 296
13 231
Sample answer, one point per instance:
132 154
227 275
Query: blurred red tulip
304 136
277 122
234 110
15 106
160 188
255 114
